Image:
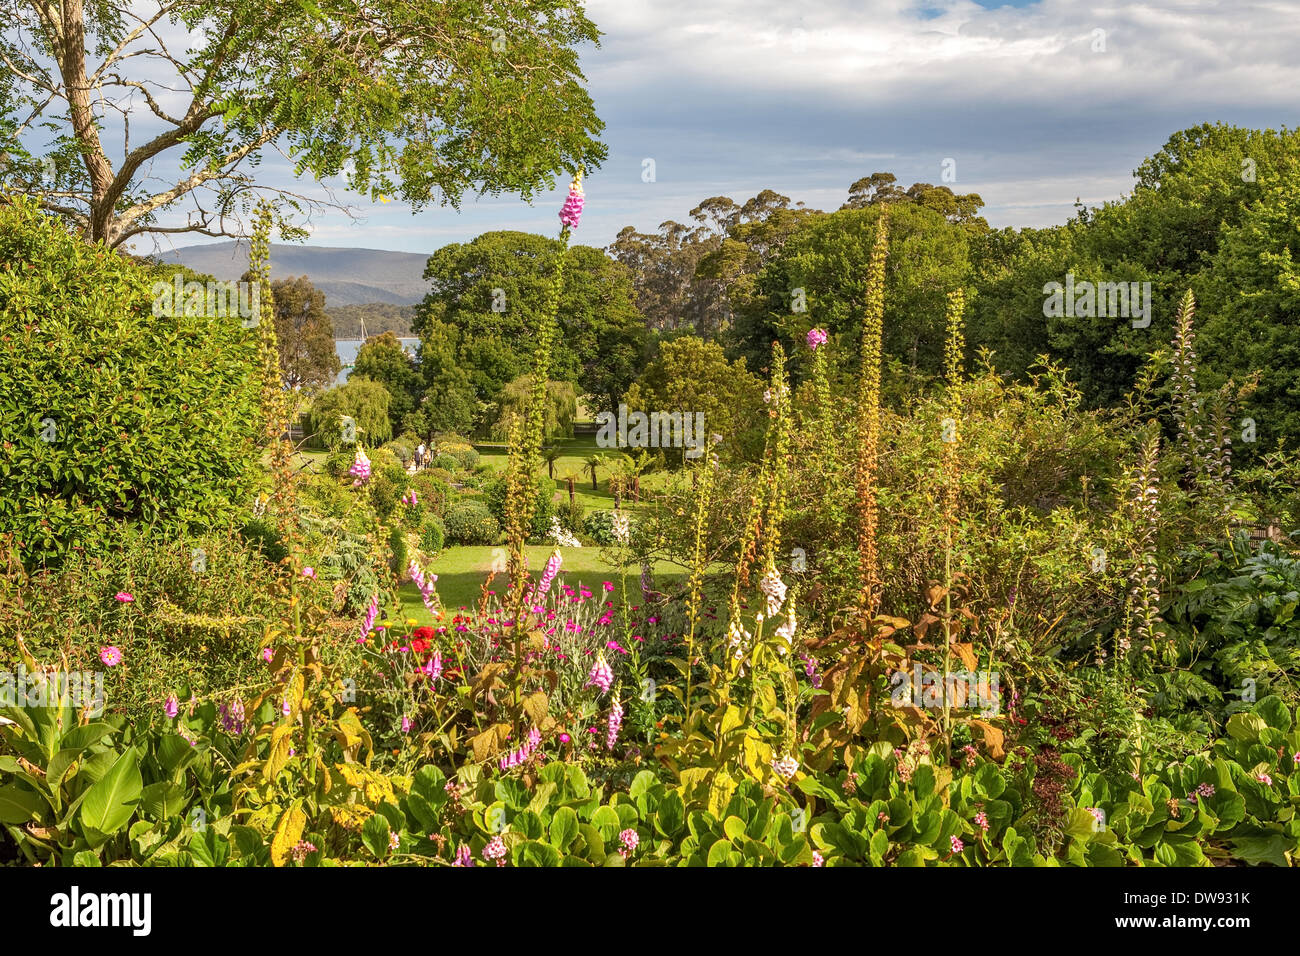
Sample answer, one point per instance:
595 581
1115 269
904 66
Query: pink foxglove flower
571 212
615 724
425 583
368 623
550 571
463 856
406 724
360 469
602 676
172 707
111 656
817 338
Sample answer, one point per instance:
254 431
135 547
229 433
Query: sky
1030 104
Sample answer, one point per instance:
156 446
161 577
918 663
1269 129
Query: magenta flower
309 573
615 723
495 850
608 585
360 469
572 209
550 571
629 839
463 856
601 675
816 338
818 859
406 724
124 597
111 656
957 845
368 623
172 707
267 654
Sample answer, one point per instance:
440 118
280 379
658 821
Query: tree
485 301
561 409
304 333
363 401
382 359
422 100
693 376
817 279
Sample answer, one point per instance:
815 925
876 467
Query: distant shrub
265 537
365 402
447 462
470 522
432 535
494 493
599 526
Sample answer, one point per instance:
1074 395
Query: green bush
470 522
108 412
265 537
600 527
403 452
494 494
571 513
433 492
432 534
468 458
448 463
365 402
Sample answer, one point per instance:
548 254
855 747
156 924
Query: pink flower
630 840
602 676
550 571
360 469
406 724
608 585
1265 779
495 850
818 859
565 738
172 707
615 723
124 597
982 821
572 209
816 338
463 856
111 656
267 654
309 573
957 845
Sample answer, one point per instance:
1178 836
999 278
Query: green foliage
109 413
561 409
494 496
487 296
432 534
382 359
470 522
693 376
363 401
304 335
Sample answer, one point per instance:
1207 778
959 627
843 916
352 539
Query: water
347 350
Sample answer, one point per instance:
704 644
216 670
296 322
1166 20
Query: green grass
572 462
462 570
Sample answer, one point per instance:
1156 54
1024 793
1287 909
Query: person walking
419 456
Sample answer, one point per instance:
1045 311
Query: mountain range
346 276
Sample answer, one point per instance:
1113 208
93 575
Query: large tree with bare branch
116 113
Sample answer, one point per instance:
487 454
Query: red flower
425 633
419 645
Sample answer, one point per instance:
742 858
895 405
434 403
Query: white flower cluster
561 535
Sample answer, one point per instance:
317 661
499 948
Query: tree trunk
636 488
572 503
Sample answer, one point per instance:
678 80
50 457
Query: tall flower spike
571 212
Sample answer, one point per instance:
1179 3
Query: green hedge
107 411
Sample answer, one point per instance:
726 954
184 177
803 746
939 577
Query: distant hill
346 276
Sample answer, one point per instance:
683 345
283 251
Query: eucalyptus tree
114 112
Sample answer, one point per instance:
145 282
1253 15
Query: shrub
600 527
433 492
364 401
108 412
571 513
432 534
401 450
494 493
265 537
468 458
447 462
470 522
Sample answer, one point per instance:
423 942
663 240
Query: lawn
573 462
462 570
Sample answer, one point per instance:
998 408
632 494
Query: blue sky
1037 103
